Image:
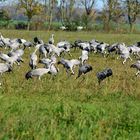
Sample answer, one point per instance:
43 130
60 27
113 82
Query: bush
55 26
21 25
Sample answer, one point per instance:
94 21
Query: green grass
69 109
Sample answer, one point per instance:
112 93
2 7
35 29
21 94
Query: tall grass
65 108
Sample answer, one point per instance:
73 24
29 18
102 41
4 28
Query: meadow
68 109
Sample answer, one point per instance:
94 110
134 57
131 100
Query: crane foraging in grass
6 41
38 41
5 67
4 57
39 72
84 56
55 50
50 63
83 69
36 73
45 61
104 74
12 59
18 52
27 44
137 66
124 52
69 64
66 45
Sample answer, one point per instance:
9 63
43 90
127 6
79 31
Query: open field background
71 109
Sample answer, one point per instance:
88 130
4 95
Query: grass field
69 109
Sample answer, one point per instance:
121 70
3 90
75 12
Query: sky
99 4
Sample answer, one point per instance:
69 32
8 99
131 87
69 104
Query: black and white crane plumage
53 69
12 59
137 66
66 45
4 57
42 51
84 57
39 72
51 40
5 67
83 69
36 73
50 63
104 74
38 41
69 64
27 44
18 52
33 60
138 44
55 50
45 61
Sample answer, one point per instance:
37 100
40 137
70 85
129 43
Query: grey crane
42 51
36 73
53 69
38 41
84 57
45 61
50 63
83 69
51 40
137 66
33 60
18 52
104 74
27 44
12 59
4 57
5 67
69 64
66 45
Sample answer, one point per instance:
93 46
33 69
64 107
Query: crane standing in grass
33 60
51 40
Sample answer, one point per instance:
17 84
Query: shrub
21 25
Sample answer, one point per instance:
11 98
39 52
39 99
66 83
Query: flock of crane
51 56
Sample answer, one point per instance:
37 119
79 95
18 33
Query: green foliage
70 25
4 18
54 26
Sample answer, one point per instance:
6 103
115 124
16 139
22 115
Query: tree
5 17
31 7
87 17
112 11
133 9
88 4
51 5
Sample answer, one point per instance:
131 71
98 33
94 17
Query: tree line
79 12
